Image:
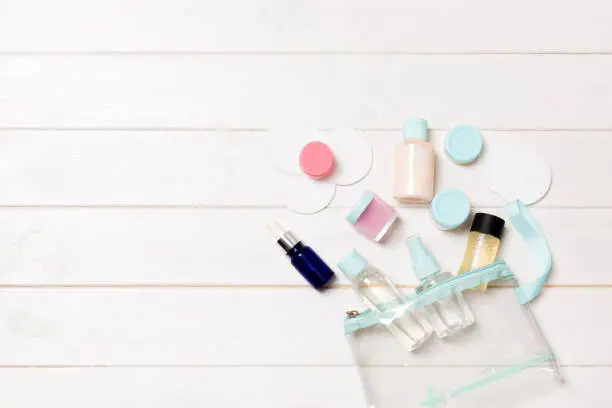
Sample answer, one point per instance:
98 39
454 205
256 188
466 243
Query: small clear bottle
483 243
449 315
378 292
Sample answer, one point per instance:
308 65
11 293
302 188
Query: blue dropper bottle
303 258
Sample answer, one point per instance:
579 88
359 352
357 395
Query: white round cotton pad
515 170
284 146
352 154
307 196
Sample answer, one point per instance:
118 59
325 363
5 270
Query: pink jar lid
316 160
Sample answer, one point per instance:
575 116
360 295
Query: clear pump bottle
449 315
378 292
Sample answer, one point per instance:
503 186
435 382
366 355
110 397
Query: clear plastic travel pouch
501 359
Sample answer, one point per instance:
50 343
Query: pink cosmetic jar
372 217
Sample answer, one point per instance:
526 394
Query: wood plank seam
238 366
129 286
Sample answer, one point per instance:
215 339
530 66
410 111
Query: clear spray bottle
378 292
448 315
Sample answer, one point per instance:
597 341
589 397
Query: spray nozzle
423 263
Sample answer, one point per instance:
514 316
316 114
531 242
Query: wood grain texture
135 269
230 387
305 26
247 327
231 168
255 91
212 247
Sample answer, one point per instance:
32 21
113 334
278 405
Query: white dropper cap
283 236
276 229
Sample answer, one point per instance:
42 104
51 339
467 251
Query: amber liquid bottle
483 243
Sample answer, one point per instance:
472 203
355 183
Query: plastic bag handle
532 234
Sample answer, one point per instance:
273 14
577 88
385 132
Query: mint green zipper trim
459 283
500 375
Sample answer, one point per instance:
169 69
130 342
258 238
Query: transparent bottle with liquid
378 292
449 315
483 243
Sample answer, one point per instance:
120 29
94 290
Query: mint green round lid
450 208
463 144
358 209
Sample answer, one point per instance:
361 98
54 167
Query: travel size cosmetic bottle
378 292
448 315
414 164
303 258
483 243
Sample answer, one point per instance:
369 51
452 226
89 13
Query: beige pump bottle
483 243
414 164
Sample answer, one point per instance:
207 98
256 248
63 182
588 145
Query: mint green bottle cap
415 129
450 208
463 144
358 209
352 264
423 263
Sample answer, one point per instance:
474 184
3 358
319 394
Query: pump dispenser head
415 129
423 263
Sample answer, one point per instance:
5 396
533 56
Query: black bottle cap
488 224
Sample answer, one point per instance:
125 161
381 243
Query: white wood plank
231 168
182 387
213 247
339 25
248 327
261 387
255 91
132 168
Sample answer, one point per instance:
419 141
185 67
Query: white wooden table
135 267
